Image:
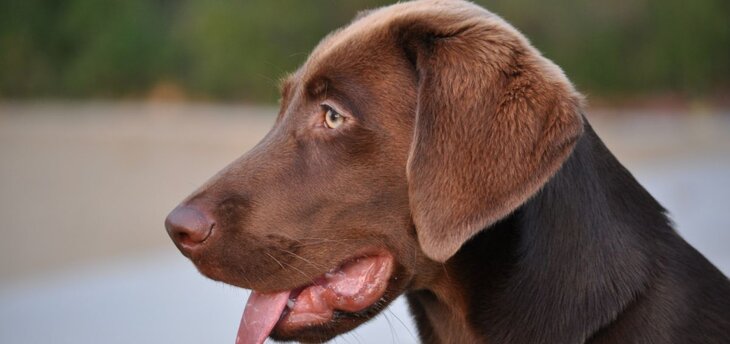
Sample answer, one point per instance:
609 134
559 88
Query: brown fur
492 121
453 120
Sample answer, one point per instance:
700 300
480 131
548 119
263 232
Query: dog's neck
561 267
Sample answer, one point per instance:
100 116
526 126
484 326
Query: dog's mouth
353 287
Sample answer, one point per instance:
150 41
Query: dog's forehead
373 23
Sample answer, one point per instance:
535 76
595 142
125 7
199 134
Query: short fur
465 154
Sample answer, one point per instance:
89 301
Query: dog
428 149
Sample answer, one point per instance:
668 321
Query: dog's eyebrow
317 87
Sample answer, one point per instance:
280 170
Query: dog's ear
495 120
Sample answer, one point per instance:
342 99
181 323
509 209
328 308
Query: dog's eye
332 118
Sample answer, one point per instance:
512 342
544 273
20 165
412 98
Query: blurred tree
237 50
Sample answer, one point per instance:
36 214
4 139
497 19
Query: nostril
188 226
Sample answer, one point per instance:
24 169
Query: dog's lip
353 287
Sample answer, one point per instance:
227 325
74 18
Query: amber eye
332 118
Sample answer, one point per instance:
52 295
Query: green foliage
238 49
614 47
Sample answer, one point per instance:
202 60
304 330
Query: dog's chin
333 303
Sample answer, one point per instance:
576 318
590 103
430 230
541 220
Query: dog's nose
188 226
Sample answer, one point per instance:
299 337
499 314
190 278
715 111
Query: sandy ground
83 182
84 189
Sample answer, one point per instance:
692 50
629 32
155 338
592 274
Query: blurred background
111 112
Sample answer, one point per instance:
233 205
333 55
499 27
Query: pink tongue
261 314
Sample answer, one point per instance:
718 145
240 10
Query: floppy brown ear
495 120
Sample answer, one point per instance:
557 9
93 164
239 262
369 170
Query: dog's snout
188 227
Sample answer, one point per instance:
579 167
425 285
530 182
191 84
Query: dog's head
402 136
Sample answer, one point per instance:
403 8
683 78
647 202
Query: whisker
293 267
319 241
402 323
317 266
276 260
356 336
392 330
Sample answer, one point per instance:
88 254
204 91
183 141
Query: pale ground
84 189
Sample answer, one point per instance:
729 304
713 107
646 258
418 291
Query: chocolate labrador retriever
428 149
